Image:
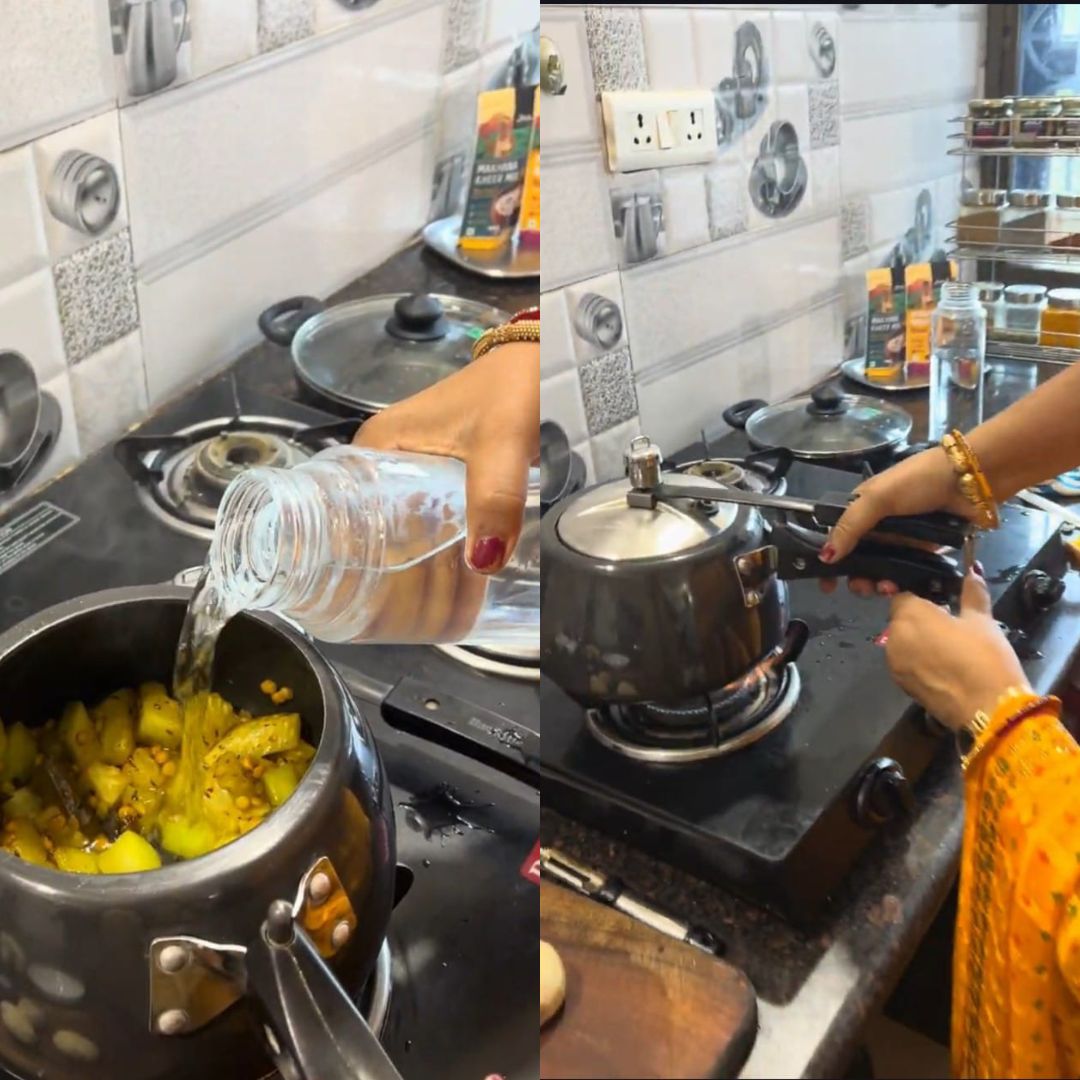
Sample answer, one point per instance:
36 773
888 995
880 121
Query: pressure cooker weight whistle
666 587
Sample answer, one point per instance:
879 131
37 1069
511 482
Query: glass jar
368 546
1065 224
992 298
1067 125
1023 311
1026 219
1060 323
957 360
1032 120
980 217
989 121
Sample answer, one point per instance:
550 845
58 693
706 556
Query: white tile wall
508 18
713 34
560 400
250 151
791 53
556 344
223 34
30 324
608 286
57 65
23 247
109 392
575 211
669 49
686 214
608 450
573 116
202 314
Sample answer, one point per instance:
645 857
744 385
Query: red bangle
531 314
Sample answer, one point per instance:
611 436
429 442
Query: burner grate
662 734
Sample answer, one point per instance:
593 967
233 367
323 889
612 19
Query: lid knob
418 317
643 460
826 400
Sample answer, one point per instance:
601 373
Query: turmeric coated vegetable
146 773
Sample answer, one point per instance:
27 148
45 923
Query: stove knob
1040 591
883 794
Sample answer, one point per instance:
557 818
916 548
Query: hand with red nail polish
487 415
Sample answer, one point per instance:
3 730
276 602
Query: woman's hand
920 485
487 415
954 666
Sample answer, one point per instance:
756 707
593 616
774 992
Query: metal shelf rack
1056 251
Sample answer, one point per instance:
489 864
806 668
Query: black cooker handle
912 569
941 530
280 322
736 415
315 1032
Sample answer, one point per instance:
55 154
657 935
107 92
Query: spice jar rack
1004 223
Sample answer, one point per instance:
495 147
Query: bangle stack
981 731
972 480
524 326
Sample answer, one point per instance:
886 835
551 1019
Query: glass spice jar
1066 127
1023 311
989 121
992 298
1032 120
1060 322
980 216
1025 222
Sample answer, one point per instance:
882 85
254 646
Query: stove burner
181 477
522 664
374 999
667 734
758 473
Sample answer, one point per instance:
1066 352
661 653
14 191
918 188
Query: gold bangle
971 479
504 335
982 729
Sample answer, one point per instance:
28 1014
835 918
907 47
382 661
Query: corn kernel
268 686
168 769
243 802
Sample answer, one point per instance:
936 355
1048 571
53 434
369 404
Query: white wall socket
645 130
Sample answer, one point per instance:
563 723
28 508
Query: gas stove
774 788
457 728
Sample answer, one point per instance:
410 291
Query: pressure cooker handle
938 529
280 322
736 415
912 569
313 1030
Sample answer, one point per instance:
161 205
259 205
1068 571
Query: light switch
663 124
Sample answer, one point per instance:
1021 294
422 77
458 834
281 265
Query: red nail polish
978 568
487 552
882 638
827 553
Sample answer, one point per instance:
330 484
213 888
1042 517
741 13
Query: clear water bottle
369 546
957 360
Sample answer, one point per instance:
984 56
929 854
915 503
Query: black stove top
463 938
782 821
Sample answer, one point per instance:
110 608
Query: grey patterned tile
464 31
281 22
95 293
607 390
729 202
824 114
854 227
616 48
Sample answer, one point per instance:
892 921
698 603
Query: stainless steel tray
855 370
509 262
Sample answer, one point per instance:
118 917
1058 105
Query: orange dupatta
1016 967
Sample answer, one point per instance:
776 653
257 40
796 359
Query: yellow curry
106 790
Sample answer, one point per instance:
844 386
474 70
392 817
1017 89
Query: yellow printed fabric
1016 987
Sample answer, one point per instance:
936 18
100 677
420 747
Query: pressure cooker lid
374 352
601 524
829 423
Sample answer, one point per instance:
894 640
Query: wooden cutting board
639 1003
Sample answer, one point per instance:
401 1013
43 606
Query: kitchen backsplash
263 148
670 294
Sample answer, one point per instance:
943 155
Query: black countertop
816 989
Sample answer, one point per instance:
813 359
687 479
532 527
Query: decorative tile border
728 201
464 23
616 48
854 227
824 114
95 294
281 22
607 390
